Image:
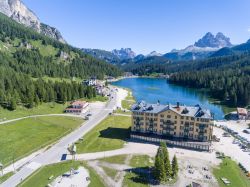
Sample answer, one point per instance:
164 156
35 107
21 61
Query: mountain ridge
18 11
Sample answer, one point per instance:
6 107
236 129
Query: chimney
177 104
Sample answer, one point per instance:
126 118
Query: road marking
34 165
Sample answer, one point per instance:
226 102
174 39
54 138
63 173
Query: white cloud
248 30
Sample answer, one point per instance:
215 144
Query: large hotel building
172 121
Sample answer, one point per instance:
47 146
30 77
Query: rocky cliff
17 10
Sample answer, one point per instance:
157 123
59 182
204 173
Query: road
55 153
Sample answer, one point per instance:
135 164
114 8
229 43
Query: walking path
42 115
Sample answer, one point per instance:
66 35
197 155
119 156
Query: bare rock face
17 10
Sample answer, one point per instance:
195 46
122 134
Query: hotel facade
172 122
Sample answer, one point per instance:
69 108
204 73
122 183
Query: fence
200 146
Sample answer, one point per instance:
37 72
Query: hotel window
181 122
174 133
192 118
175 122
196 130
187 118
162 116
168 116
161 120
198 119
182 117
175 117
175 127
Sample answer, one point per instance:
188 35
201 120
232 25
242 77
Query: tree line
20 89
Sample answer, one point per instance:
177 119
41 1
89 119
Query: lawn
141 161
230 170
41 131
110 134
41 177
45 108
110 172
5 177
119 159
138 176
128 101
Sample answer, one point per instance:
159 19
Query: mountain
201 49
209 40
17 10
154 53
124 53
107 56
115 56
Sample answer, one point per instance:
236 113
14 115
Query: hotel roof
192 111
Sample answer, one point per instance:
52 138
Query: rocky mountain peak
209 40
154 53
18 11
124 53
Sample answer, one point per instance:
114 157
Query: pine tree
174 167
162 174
13 104
166 160
157 167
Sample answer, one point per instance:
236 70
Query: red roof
242 111
78 103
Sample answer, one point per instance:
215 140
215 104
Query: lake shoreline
177 93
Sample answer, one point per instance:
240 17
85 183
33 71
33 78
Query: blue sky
143 25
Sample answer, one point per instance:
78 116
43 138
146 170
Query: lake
151 90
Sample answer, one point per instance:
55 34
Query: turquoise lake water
152 90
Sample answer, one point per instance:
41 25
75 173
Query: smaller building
90 82
77 107
242 113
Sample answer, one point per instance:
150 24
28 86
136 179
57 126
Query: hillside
26 54
17 10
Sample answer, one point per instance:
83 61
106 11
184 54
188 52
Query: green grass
97 98
41 177
5 177
25 136
128 101
134 180
119 159
47 50
45 108
110 134
120 111
230 170
127 104
57 79
141 161
110 172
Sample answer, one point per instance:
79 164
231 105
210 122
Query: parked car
246 131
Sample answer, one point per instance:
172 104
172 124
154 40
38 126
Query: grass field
5 177
45 108
120 159
15 137
110 134
141 161
41 178
230 170
128 101
110 172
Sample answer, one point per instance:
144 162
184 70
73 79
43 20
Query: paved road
55 153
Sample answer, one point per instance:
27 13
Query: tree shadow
142 175
115 133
